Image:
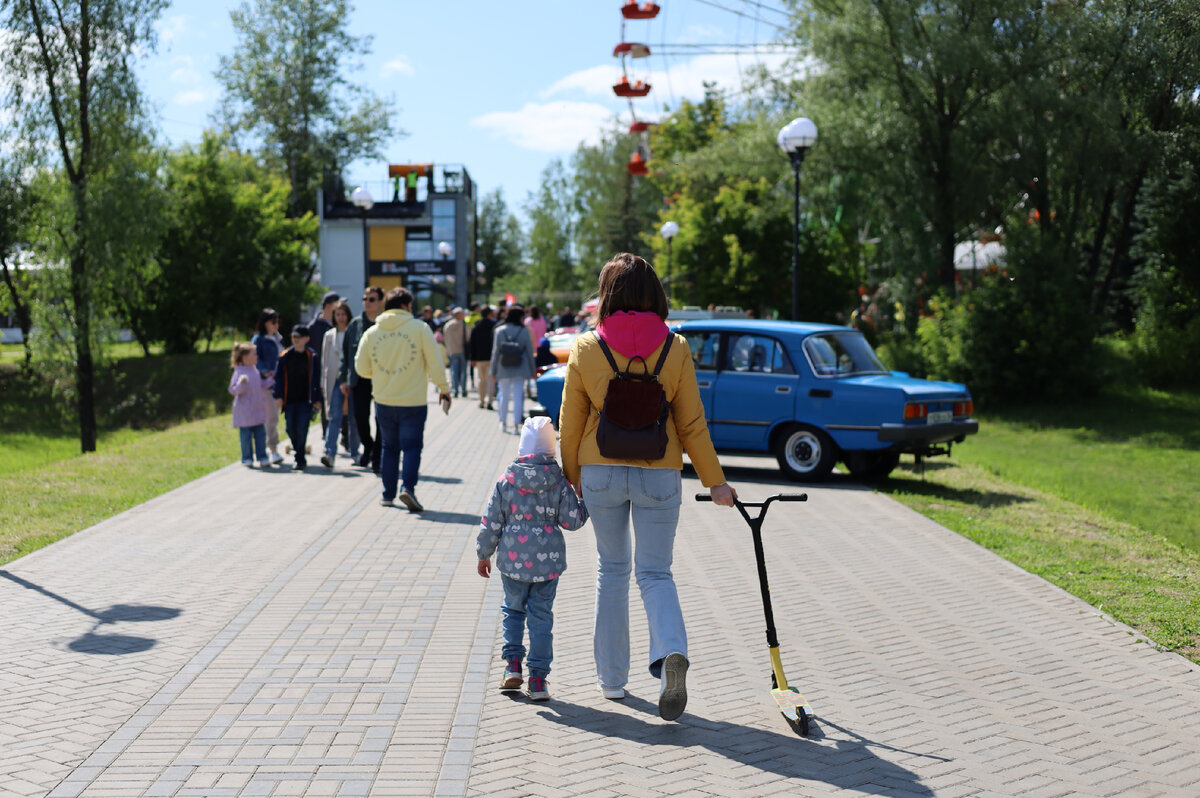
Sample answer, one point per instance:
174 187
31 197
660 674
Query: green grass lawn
45 503
1130 455
1099 497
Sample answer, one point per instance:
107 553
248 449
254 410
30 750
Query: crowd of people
383 360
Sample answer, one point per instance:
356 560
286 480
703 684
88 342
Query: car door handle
703 384
820 393
783 389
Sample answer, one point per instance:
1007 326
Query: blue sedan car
812 395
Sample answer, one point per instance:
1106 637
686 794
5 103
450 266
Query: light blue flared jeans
650 498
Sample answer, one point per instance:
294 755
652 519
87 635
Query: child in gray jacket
529 507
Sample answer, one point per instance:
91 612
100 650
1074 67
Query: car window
836 354
706 349
758 354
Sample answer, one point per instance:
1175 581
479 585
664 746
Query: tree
552 223
229 248
14 212
80 94
500 240
284 85
614 210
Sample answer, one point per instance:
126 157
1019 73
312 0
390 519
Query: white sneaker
276 458
612 693
503 428
672 696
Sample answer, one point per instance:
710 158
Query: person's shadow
92 643
850 764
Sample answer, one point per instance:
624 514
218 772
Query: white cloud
595 81
398 65
195 96
171 28
557 126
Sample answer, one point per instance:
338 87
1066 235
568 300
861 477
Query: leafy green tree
500 240
552 224
229 249
285 85
613 209
14 211
79 95
730 190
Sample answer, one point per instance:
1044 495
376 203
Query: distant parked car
812 395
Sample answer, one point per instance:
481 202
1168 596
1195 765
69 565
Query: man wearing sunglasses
359 388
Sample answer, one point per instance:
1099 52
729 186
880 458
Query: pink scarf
633 333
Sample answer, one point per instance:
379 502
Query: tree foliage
550 257
285 86
78 107
499 244
229 248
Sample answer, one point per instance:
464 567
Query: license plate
940 417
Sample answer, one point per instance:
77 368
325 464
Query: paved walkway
282 634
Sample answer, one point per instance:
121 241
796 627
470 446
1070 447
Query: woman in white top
331 386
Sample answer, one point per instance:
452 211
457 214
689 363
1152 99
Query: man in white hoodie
399 355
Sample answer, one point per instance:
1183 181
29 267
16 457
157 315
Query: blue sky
501 87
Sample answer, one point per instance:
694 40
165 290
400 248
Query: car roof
761 325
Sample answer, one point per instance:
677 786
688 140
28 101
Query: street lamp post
363 200
669 230
794 139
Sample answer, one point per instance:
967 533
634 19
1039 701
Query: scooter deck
792 704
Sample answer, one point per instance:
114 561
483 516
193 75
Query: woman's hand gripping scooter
794 706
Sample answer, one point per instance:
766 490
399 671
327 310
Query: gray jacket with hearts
529 508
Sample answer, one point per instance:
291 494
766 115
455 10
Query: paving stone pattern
281 634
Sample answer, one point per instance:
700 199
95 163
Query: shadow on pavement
92 643
449 518
850 764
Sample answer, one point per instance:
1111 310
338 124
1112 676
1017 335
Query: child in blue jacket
529 507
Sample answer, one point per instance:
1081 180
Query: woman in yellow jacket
631 319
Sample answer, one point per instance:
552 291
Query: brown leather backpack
633 421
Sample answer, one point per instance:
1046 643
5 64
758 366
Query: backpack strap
662 358
607 352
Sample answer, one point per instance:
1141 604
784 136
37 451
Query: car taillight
915 410
964 408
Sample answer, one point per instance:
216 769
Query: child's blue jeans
258 435
532 604
297 417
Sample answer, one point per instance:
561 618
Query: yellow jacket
398 353
586 384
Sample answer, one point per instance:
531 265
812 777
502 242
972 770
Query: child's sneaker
538 690
512 679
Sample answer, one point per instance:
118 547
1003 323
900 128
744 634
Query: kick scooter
795 707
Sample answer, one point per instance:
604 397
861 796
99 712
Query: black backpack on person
633 421
512 353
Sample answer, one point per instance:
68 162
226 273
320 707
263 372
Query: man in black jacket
481 354
359 388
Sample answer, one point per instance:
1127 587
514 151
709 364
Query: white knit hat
537 436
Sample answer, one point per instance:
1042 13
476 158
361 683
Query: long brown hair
628 282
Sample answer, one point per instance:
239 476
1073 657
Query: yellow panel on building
387 282
387 243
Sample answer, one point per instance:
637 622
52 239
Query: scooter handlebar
778 497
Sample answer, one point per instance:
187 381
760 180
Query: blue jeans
510 394
296 419
651 498
401 430
257 434
334 400
529 603
458 375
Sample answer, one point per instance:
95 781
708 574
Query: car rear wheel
805 454
872 465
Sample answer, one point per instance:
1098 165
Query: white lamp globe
669 230
799 134
444 249
362 198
